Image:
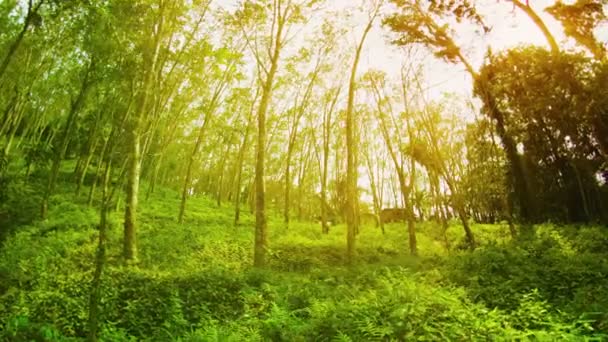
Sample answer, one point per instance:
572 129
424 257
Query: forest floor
195 281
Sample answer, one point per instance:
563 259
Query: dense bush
568 273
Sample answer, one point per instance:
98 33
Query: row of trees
250 106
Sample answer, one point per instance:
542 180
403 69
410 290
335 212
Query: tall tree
270 22
350 122
151 52
398 150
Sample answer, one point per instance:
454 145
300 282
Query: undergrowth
194 281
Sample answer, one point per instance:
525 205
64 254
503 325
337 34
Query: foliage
547 114
194 282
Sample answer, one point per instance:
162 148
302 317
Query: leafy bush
546 264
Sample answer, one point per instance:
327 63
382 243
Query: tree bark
352 197
134 168
100 259
261 239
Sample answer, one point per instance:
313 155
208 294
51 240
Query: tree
554 127
301 104
241 156
398 149
222 79
416 25
156 29
352 197
273 21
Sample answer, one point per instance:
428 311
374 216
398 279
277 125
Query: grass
194 281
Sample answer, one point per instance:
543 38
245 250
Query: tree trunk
188 178
241 160
259 254
352 197
286 200
100 259
134 168
130 224
403 186
98 169
375 193
222 173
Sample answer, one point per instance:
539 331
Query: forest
294 170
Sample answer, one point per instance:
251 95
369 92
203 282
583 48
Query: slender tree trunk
98 169
434 179
130 223
251 196
286 199
302 181
327 124
239 174
352 197
100 259
188 178
84 159
324 172
375 193
134 168
261 239
259 256
154 178
222 170
85 168
403 186
6 117
11 134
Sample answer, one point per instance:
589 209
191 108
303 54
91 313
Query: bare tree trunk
221 178
100 259
134 169
403 186
241 159
302 180
98 169
130 223
261 239
375 192
188 178
352 197
286 199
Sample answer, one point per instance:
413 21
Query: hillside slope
194 282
